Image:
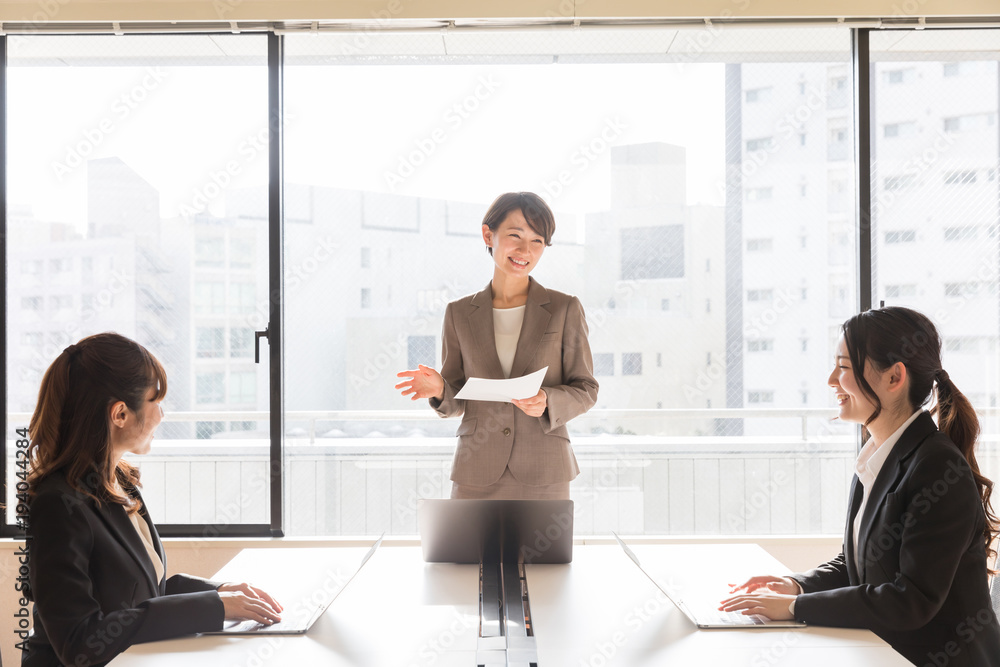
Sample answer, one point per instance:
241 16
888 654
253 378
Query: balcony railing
793 482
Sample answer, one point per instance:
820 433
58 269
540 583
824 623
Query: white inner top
506 330
868 466
147 541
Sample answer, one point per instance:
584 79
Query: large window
705 190
941 244
677 178
135 173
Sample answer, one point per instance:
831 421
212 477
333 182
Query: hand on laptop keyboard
763 602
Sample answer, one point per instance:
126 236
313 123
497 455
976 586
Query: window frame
274 332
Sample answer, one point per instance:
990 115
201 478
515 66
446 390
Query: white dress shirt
868 466
147 541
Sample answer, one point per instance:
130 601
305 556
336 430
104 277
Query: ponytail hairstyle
885 336
71 427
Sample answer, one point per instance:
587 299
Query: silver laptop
705 613
297 623
471 531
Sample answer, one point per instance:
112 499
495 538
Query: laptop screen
477 531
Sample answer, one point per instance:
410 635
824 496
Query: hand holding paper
481 389
534 406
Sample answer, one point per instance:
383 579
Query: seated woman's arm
186 583
80 632
916 548
832 574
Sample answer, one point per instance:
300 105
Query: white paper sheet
481 389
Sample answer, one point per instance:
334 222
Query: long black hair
885 336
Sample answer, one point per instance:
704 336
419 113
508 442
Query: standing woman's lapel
536 320
481 323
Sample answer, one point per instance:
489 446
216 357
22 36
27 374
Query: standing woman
96 564
919 529
512 328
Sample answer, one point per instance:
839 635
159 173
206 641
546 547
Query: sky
457 132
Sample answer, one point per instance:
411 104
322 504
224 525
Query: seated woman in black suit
919 528
96 565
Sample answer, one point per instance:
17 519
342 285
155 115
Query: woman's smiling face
854 405
516 246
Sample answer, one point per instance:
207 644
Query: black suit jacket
922 583
93 584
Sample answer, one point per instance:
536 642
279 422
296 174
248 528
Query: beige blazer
494 436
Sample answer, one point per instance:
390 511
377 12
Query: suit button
506 431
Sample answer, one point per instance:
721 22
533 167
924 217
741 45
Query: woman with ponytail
96 565
918 544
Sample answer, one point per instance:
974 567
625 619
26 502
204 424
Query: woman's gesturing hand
424 382
244 602
534 406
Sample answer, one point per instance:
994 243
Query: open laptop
295 623
705 613
476 531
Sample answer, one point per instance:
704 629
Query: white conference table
598 611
